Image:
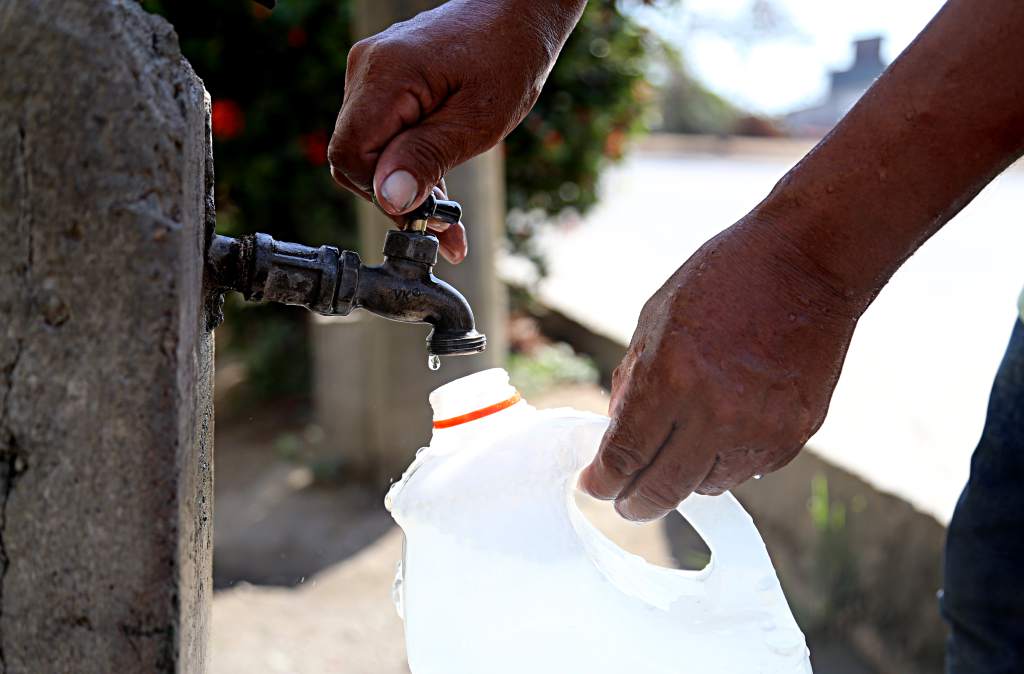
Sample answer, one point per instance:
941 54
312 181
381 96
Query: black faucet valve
434 209
330 281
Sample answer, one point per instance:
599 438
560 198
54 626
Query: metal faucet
332 282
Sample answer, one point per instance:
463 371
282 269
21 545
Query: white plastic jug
503 574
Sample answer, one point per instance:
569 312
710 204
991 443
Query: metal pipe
333 282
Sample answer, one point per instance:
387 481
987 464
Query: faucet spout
404 289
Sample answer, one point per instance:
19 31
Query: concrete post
383 417
105 353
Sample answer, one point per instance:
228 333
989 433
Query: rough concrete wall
105 355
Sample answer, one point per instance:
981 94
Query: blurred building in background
846 87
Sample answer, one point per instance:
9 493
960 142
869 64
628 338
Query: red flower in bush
553 140
615 144
296 36
314 145
227 118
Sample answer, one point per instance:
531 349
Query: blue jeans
983 597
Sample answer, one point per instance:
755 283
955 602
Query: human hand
728 374
430 93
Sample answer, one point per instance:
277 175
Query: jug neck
472 397
475 415
458 436
475 402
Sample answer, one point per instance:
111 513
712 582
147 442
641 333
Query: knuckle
710 489
811 422
375 56
347 157
659 492
622 373
729 468
344 146
806 411
617 374
621 461
336 154
428 156
782 458
717 482
358 52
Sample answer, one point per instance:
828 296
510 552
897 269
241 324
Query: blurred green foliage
835 567
595 100
549 366
276 79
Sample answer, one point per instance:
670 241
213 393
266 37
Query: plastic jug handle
730 534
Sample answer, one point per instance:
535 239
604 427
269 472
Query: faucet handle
415 246
435 209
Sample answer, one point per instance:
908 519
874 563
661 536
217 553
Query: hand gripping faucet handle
434 209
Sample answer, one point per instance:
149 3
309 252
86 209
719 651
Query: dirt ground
305 571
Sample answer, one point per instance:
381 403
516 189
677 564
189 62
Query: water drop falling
433 362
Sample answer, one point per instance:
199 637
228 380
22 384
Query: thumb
418 158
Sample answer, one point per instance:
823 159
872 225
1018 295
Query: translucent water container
502 574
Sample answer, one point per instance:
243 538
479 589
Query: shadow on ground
274 525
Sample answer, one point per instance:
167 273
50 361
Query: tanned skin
430 93
734 360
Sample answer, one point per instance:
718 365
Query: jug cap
472 397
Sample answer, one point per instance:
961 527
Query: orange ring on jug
478 414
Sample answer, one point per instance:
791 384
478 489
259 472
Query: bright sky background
774 75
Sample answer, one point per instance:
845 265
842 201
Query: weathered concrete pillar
385 418
105 354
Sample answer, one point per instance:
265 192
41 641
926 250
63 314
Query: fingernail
398 191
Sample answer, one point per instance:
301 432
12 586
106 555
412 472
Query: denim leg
983 597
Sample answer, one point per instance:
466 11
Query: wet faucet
332 282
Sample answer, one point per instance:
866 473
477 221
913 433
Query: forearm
942 121
552 20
